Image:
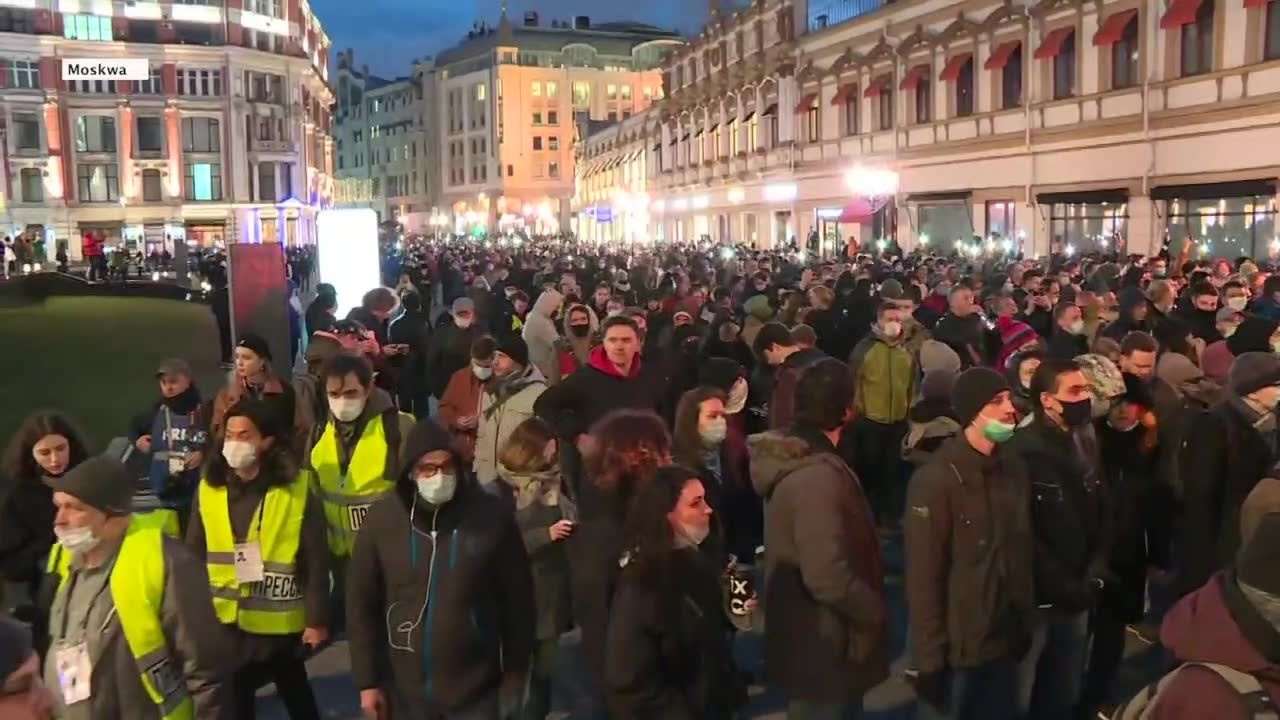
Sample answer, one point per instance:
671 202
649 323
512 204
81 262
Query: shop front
942 220
1094 221
1233 219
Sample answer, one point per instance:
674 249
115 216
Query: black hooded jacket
1253 335
445 592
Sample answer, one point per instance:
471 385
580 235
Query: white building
1060 124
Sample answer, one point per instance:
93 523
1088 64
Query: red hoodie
600 361
1200 628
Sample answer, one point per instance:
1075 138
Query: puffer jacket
504 404
824 584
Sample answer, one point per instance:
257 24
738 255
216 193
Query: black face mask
580 330
1077 414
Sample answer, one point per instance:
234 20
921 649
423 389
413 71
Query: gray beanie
100 482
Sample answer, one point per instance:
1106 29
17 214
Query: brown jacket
274 391
462 399
969 549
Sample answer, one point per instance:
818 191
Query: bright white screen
348 250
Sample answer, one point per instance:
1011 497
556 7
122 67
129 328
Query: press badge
248 563
177 464
74 670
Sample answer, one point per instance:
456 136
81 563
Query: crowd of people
663 448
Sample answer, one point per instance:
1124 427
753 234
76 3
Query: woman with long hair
624 450
47 445
254 502
530 464
668 647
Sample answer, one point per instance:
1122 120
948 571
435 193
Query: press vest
274 605
347 498
137 590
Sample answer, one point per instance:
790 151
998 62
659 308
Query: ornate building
1059 125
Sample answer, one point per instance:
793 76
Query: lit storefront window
1227 227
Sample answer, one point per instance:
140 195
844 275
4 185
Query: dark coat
668 648
413 328
1065 346
965 335
449 352
26 531
1141 529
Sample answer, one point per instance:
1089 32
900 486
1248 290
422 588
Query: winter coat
884 379
437 622
965 335
504 404
929 425
197 641
540 335
1222 458
461 399
26 532
1069 510
1140 523
824 585
548 561
1216 624
737 525
279 395
1065 346
970 588
782 398
584 397
413 328
450 351
668 648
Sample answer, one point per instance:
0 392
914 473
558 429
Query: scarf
540 487
506 388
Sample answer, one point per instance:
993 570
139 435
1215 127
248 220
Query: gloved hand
932 688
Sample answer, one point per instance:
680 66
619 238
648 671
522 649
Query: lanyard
71 588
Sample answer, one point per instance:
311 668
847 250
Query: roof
617 39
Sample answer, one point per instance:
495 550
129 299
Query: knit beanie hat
514 347
937 385
100 482
758 307
255 344
1253 371
1014 335
892 290
936 355
975 388
1258 562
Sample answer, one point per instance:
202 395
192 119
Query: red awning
1256 3
1053 42
806 102
953 67
845 93
1181 12
1001 56
857 211
913 77
1113 28
877 86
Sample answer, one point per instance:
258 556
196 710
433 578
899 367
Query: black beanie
975 388
1258 562
256 344
514 347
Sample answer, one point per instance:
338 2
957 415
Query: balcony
273 146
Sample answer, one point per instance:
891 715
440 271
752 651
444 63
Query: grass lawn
94 358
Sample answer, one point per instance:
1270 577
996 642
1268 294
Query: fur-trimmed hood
775 455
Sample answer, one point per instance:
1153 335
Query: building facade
228 140
511 102
1056 126
385 143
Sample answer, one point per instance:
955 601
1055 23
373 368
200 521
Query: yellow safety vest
137 590
347 498
274 605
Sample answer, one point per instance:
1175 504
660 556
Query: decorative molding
910 43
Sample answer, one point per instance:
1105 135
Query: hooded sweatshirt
584 397
540 335
576 351
439 598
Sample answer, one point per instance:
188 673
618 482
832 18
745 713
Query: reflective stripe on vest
137 590
274 605
347 498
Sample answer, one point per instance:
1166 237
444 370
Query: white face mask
346 409
1237 303
715 431
482 373
437 489
891 329
461 322
76 541
737 397
1077 328
690 536
239 454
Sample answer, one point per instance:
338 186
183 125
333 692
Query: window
1064 68
26 131
1234 226
87 27
964 90
16 21
201 134
813 124
553 169
537 118
537 142
1001 219
734 140
98 182
24 74
553 117
511 170
150 134
1124 57
1272 45
1197 41
581 93
612 116
1089 227
151 186
480 92
551 89
851 110
95 134
886 106
1011 81
32 182
924 99
648 93
203 181
206 83
553 143
626 92
536 89
753 133
151 86
611 91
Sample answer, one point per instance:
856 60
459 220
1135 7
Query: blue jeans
985 692
807 710
1051 673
